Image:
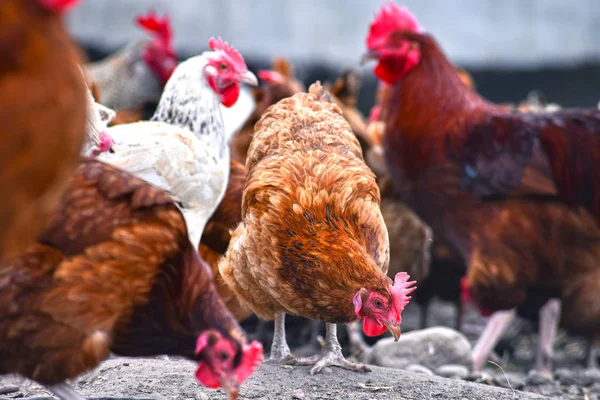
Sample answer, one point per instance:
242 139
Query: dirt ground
122 378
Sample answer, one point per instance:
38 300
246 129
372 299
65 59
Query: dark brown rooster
446 148
115 272
42 107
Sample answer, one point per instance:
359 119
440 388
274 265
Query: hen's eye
378 303
223 67
223 356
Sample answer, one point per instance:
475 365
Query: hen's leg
331 355
549 319
358 346
459 315
592 353
488 339
65 392
280 350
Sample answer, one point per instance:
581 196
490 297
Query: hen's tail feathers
317 90
347 86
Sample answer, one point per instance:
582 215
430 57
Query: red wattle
372 327
207 377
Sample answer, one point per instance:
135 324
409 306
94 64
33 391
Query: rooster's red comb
232 53
58 6
160 27
389 19
401 289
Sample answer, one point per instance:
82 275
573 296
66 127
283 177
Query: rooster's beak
249 78
368 56
394 329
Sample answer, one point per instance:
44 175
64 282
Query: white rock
431 348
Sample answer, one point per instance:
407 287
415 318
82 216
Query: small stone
327 371
480 377
510 380
418 369
201 396
534 378
452 371
574 390
7 389
569 377
298 394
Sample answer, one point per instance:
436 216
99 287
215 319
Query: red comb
401 289
161 27
58 6
270 76
389 19
232 53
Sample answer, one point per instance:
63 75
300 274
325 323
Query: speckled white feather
183 149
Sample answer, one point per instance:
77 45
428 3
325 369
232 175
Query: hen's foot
329 358
280 351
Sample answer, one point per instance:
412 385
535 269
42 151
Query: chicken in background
135 76
42 104
536 102
183 149
312 241
217 234
474 148
344 93
278 84
114 271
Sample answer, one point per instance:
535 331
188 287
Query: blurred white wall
505 33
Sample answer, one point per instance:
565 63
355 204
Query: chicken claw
330 356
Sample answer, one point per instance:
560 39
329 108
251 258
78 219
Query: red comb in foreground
232 53
390 18
401 289
161 27
252 357
58 6
270 76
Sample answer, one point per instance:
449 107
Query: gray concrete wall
477 33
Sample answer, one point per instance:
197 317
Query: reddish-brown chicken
278 84
312 241
446 147
217 234
115 272
42 109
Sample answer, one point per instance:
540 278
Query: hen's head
224 364
58 6
396 54
225 70
381 310
159 54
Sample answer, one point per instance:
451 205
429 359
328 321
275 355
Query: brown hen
42 108
312 241
115 272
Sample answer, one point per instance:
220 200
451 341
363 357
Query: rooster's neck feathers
190 103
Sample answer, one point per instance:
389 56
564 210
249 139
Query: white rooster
183 148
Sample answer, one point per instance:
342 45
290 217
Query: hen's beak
394 329
368 56
249 78
230 386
